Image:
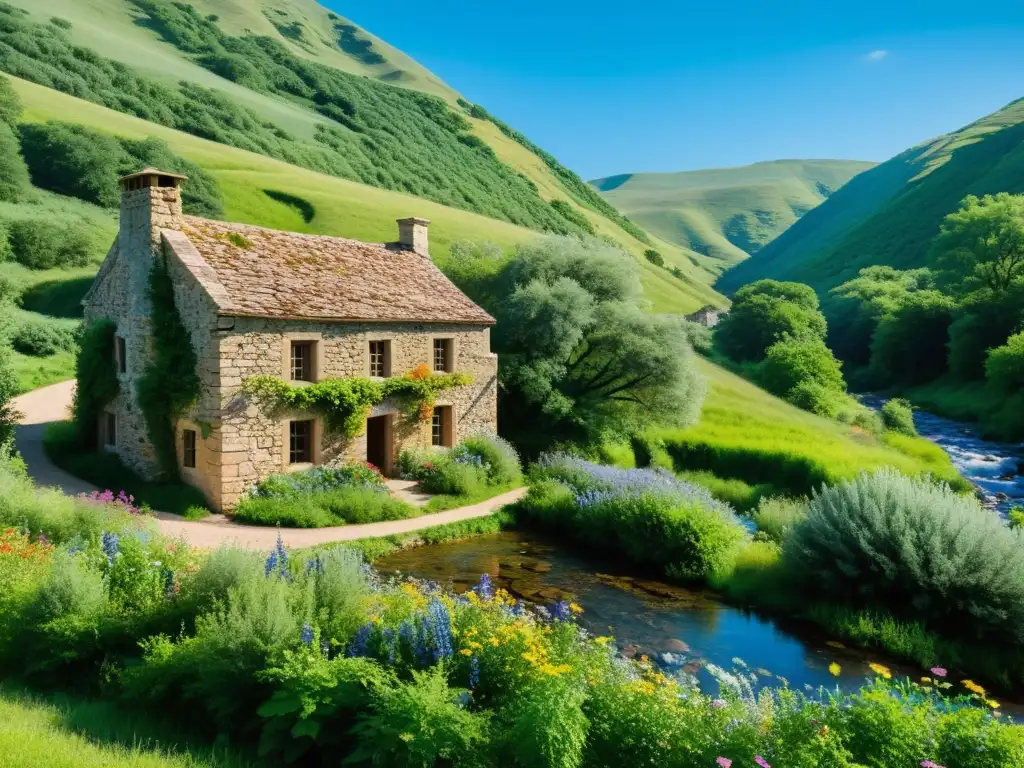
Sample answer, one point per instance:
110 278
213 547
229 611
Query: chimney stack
412 235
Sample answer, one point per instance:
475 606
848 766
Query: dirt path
49 404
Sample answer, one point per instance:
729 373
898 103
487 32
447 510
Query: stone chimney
412 235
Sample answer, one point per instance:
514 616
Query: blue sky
651 86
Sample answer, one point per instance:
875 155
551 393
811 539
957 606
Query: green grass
727 213
748 434
62 732
889 214
445 501
36 372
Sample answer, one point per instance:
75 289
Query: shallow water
995 469
645 617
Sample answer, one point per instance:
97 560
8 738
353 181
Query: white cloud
875 56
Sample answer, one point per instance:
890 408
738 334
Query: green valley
727 214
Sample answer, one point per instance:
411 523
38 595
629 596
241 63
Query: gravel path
43 406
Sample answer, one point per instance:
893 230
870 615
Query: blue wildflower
277 560
485 589
110 543
474 672
439 622
315 565
306 636
391 644
561 611
360 645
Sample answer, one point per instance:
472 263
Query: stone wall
254 444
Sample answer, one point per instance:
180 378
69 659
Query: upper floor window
188 454
443 355
120 354
300 442
302 360
380 358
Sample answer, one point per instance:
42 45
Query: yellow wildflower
973 687
880 669
575 608
466 652
993 703
835 669
406 737
603 640
926 679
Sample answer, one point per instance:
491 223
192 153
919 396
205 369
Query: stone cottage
708 316
304 308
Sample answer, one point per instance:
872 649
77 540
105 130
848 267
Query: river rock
630 650
540 566
676 646
1002 497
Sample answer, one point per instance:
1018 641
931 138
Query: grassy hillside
727 213
888 215
747 434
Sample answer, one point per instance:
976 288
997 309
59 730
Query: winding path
43 406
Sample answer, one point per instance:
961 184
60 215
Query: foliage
572 215
766 312
909 345
8 390
344 403
776 516
700 336
41 339
646 515
982 323
96 376
39 242
1004 367
914 547
10 104
76 161
318 479
654 257
319 509
898 415
479 462
14 179
792 362
578 353
982 243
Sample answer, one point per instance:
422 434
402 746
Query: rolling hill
890 213
727 214
306 91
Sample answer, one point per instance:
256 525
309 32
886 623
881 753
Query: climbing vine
170 383
345 403
96 376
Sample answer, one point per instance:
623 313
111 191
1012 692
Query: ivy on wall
96 375
345 403
170 383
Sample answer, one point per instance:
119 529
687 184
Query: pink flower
929 763
938 671
724 762
719 703
761 761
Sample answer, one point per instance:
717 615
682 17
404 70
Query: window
380 358
189 448
302 361
109 429
121 354
300 442
441 426
443 355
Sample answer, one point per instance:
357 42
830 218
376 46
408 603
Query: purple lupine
391 644
110 543
485 589
561 611
277 561
315 565
360 645
408 633
306 635
439 622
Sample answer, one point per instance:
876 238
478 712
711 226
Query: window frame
384 370
446 346
308 455
308 364
442 431
189 452
120 353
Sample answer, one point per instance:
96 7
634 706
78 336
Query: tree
8 387
14 181
909 345
579 353
982 244
10 104
1004 368
654 257
792 361
765 312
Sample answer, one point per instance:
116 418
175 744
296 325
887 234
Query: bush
42 243
496 456
15 185
318 480
8 390
97 383
701 337
766 312
916 548
346 504
649 516
898 415
654 257
776 516
815 397
1004 368
10 104
477 463
792 362
41 339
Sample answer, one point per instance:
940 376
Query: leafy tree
1005 365
14 181
10 104
792 361
909 346
986 321
982 244
654 257
578 351
766 312
75 161
8 390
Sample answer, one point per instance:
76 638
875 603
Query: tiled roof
257 272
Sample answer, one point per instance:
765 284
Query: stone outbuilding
304 308
708 316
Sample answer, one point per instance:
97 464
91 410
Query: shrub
43 339
654 257
701 337
496 456
813 396
10 104
42 243
478 462
776 516
97 383
915 547
898 415
766 312
318 480
1004 368
8 390
647 515
15 186
792 362
346 504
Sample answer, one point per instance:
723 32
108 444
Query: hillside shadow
57 298
305 208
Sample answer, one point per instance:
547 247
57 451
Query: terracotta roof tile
257 272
